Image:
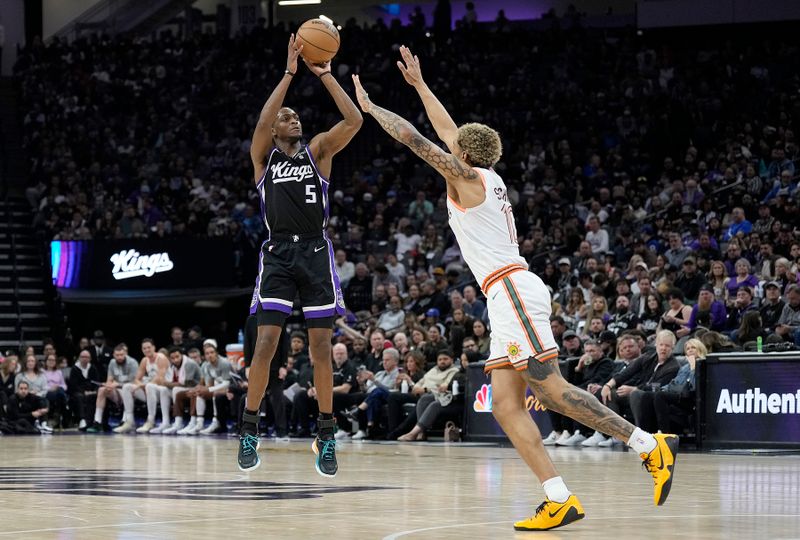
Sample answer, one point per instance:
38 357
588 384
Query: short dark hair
557 318
149 340
174 349
299 335
120 347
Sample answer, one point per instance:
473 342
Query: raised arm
262 136
445 128
454 170
325 145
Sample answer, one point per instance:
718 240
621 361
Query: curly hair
481 143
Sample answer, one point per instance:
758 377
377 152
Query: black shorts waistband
280 237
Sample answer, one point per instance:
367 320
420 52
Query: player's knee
503 407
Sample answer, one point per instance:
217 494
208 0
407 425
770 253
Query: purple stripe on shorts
274 306
338 295
319 314
254 301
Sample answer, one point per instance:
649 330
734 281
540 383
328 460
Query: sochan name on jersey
285 172
130 263
754 401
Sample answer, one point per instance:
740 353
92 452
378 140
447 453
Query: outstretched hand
361 95
318 69
293 52
410 70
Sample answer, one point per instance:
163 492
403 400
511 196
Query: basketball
320 40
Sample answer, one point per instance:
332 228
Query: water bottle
759 344
241 336
455 388
404 387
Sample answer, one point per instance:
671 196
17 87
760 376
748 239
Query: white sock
556 490
98 415
641 441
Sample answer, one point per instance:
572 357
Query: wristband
290 73
325 73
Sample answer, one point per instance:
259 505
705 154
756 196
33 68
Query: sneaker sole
672 444
571 516
254 467
316 464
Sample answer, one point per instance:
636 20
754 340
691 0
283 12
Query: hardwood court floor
141 486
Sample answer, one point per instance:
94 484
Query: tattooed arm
453 168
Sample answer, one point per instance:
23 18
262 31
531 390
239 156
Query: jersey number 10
512 225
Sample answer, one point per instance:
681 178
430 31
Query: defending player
523 350
297 257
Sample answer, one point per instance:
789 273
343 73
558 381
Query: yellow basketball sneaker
551 514
661 464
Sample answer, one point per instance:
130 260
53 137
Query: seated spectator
575 310
482 336
393 319
184 374
215 378
149 366
717 342
651 316
401 343
742 278
718 279
32 374
26 411
788 326
56 390
473 306
122 369
654 409
742 304
572 346
750 329
435 396
708 312
677 316
649 369
84 381
377 387
593 367
689 280
434 344
406 379
772 305
8 372
622 319
739 225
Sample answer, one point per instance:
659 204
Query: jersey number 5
311 195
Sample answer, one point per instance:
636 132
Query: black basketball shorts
297 264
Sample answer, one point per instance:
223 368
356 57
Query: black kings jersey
294 195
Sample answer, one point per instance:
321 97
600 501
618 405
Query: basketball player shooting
297 258
523 350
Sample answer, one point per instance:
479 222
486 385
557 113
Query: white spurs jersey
487 233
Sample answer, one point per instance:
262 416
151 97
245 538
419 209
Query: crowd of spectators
654 183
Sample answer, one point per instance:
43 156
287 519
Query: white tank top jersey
151 370
487 233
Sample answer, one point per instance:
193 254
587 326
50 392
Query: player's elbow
356 120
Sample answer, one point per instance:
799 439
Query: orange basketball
320 40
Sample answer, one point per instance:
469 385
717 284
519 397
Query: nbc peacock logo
483 399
